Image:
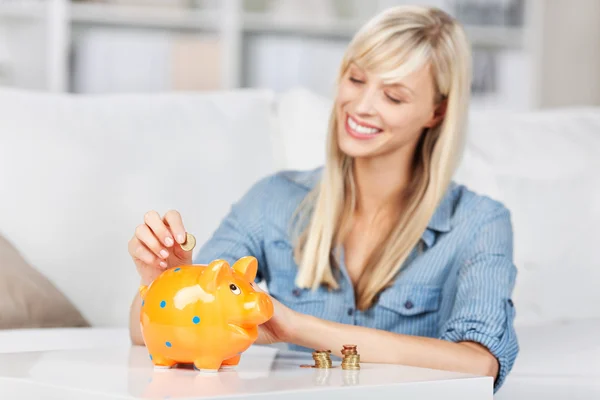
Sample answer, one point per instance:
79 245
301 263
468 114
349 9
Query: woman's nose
366 102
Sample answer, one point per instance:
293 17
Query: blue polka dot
176 269
168 344
196 320
163 304
150 357
143 301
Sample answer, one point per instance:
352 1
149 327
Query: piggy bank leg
207 364
231 363
161 362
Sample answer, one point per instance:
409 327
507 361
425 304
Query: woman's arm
135 333
385 347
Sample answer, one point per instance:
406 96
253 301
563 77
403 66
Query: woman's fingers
174 221
159 229
152 244
148 239
140 252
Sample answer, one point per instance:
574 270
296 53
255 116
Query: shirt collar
441 220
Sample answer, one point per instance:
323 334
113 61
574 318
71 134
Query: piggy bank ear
247 266
216 272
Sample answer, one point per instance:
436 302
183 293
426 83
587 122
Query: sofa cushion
543 166
556 361
575 350
302 123
82 170
28 299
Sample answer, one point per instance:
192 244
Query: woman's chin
357 149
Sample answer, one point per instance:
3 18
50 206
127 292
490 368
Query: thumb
181 254
258 289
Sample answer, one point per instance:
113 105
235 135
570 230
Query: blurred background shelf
22 9
496 37
255 22
144 17
524 50
480 36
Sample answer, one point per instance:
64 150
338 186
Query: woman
384 250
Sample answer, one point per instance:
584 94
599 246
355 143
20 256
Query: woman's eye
393 100
355 80
234 289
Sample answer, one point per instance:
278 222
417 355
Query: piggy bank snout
261 309
265 306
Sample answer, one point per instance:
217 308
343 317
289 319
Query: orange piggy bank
205 315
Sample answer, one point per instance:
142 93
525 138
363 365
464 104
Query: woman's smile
360 130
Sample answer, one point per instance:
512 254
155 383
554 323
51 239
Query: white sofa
78 173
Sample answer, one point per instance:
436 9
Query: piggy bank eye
234 289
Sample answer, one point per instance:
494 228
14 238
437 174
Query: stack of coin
351 358
322 358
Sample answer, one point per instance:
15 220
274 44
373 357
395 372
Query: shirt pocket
409 309
282 287
306 301
279 257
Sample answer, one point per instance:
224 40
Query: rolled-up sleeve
483 311
240 233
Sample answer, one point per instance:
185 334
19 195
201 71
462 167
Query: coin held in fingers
190 242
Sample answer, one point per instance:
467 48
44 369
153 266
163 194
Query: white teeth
361 129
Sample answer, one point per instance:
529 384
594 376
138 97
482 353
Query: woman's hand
155 245
281 327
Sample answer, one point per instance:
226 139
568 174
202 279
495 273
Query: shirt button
510 302
408 305
350 311
296 292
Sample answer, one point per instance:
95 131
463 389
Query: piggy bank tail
143 290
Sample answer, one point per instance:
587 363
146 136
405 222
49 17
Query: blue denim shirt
456 285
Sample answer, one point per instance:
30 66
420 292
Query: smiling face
377 118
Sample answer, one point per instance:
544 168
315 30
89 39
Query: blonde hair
394 43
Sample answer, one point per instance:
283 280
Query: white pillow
544 167
303 119
79 172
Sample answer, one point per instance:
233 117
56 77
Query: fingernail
164 253
163 264
181 238
169 241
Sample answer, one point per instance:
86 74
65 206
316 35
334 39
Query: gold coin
190 242
306 366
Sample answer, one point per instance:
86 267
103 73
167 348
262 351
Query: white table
120 371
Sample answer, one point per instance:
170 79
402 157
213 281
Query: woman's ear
438 114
